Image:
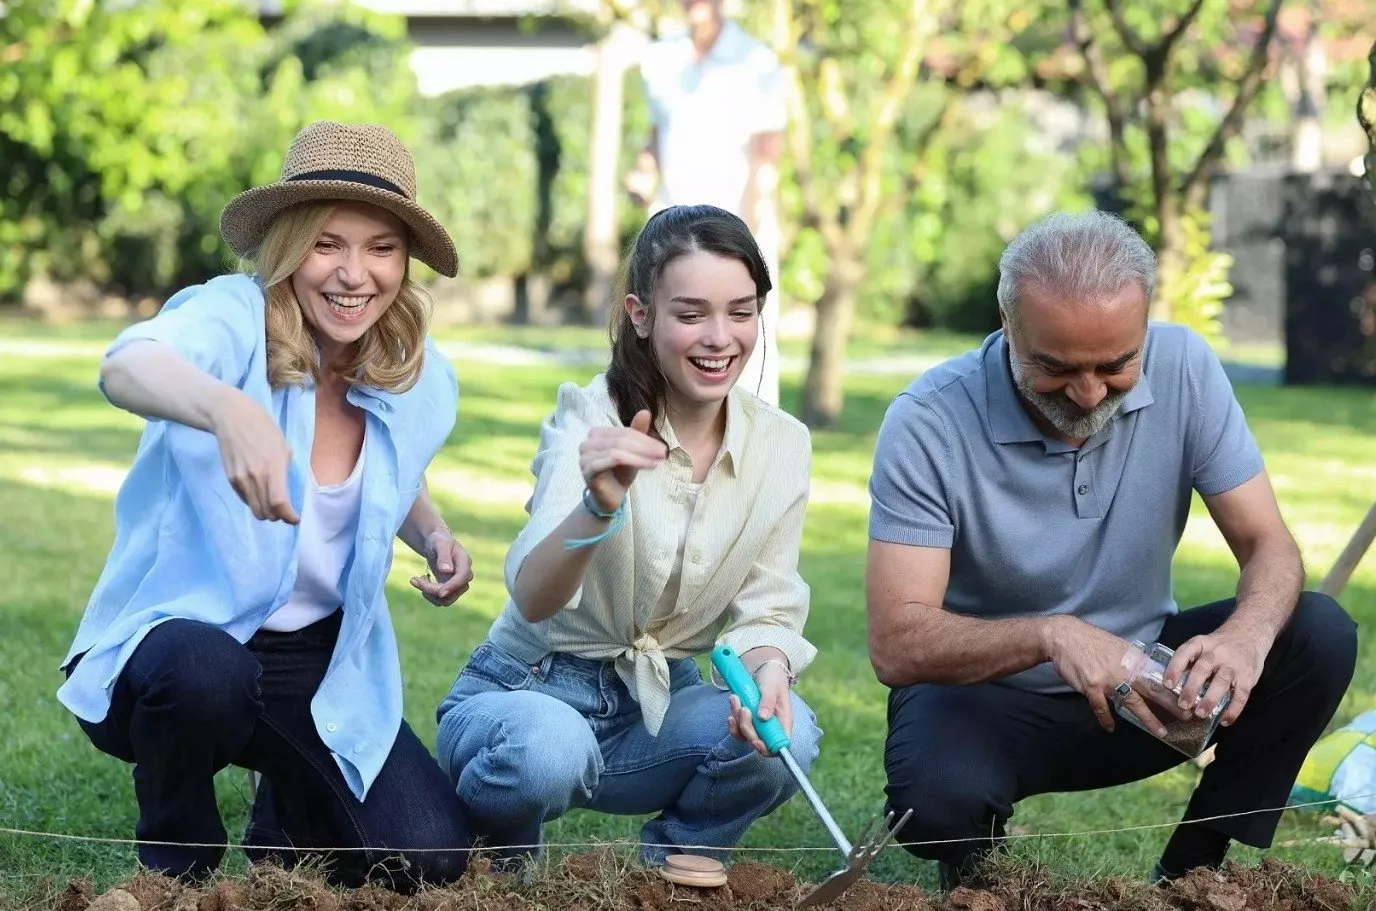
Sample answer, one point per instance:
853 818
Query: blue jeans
192 701
525 744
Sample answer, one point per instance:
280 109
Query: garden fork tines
872 840
871 843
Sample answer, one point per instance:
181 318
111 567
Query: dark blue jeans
963 756
192 701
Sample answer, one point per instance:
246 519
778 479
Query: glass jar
1146 671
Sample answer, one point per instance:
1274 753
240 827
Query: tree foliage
1176 79
862 129
126 127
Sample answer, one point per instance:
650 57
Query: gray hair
1081 254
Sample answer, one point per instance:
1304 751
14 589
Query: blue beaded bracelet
618 517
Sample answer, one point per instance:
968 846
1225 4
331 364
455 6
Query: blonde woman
241 617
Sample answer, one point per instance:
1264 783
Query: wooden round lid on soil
692 870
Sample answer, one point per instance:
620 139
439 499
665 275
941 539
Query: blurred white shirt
706 112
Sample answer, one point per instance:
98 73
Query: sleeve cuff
913 536
139 332
1224 482
799 651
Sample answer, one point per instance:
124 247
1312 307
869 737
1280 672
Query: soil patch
603 881
752 883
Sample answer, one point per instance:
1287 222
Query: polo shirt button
331 727
359 748
1082 489
697 556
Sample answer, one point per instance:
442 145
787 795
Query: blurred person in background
718 112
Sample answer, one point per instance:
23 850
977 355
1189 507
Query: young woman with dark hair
666 517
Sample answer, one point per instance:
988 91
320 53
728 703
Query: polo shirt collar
724 49
1009 421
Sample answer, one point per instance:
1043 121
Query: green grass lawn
63 453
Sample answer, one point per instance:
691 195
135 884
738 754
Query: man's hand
1091 661
774 701
1220 660
451 566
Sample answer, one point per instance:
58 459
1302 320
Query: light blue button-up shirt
187 547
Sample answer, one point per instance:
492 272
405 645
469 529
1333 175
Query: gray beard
1069 419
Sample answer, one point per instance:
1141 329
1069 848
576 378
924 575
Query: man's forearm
933 645
1269 587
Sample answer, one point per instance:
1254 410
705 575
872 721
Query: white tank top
329 520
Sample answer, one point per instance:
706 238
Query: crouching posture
241 617
667 515
1027 500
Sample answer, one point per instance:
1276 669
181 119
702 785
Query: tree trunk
1306 151
604 149
1366 116
823 392
1170 241
1118 154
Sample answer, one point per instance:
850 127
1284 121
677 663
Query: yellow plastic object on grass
1341 767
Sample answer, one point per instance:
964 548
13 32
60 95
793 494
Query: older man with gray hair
1027 500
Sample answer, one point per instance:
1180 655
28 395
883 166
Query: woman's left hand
775 701
450 566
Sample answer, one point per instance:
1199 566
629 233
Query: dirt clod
975 900
1227 897
115 900
868 895
754 882
76 897
372 898
651 893
226 896
651 896
271 888
589 866
153 891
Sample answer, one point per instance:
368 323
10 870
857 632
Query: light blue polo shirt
1037 527
187 547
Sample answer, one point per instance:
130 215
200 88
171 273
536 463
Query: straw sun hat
330 161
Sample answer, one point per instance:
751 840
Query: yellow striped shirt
739 580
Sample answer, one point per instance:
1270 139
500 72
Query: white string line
63 836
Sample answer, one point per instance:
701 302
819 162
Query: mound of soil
602 881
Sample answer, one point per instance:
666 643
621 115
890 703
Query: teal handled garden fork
873 839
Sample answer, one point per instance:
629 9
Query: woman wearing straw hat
241 617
